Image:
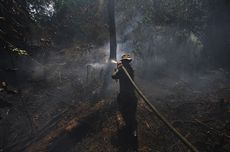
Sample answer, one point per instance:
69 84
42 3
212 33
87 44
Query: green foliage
59 21
15 24
74 19
20 51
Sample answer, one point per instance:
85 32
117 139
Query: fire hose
159 115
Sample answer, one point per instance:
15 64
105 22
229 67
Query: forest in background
62 23
165 37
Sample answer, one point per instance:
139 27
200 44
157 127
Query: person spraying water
127 100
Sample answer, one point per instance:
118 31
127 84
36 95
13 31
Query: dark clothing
127 106
127 100
126 86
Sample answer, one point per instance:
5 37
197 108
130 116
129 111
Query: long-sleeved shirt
126 87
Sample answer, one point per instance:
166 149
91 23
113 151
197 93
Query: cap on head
126 57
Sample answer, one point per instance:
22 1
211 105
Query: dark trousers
127 104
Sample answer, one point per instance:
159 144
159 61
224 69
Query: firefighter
127 100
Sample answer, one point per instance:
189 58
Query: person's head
126 59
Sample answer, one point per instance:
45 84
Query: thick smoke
167 57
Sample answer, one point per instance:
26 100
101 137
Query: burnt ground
66 112
92 127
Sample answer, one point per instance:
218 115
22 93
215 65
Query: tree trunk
112 29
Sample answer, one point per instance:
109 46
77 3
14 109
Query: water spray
114 61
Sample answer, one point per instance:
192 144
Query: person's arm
117 72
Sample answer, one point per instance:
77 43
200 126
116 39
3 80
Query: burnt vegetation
56 93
